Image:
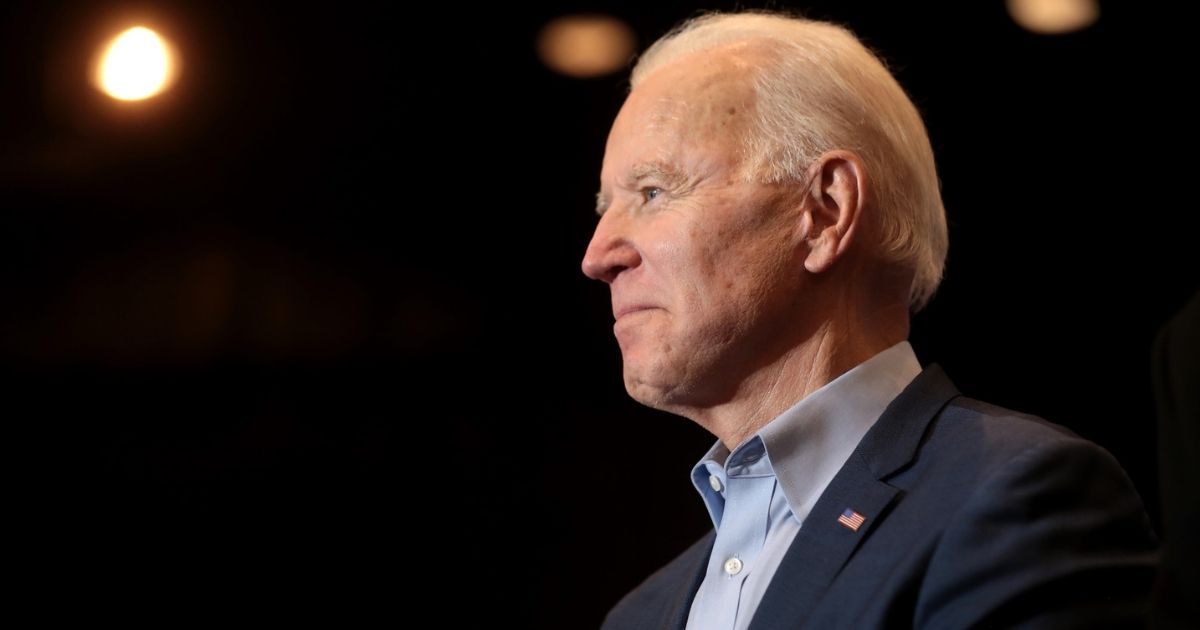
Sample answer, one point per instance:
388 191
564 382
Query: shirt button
733 566
714 482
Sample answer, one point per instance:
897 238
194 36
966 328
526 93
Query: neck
834 349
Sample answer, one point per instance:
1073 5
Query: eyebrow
661 170
669 175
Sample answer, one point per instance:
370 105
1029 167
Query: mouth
629 310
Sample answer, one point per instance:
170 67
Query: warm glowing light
586 45
136 65
1054 17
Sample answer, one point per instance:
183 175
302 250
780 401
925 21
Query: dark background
313 321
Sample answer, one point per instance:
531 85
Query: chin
647 396
651 393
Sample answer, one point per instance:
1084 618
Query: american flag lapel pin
851 520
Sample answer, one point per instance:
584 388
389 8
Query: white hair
820 89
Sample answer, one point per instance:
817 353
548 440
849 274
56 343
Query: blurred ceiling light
136 65
584 46
1054 17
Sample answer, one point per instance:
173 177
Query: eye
650 193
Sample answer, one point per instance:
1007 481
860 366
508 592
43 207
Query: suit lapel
824 545
681 602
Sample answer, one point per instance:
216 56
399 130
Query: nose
610 252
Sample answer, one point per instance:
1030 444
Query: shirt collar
809 443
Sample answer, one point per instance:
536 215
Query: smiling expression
702 263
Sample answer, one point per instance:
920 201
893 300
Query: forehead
703 97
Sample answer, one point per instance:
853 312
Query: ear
833 208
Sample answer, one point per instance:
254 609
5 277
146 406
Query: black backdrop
313 321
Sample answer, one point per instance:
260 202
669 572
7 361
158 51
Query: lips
618 313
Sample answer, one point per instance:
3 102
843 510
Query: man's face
702 265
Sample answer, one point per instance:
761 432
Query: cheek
676 259
705 249
705 274
712 266
746 276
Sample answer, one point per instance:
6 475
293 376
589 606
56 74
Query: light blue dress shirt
759 494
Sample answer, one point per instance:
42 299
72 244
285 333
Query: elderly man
769 216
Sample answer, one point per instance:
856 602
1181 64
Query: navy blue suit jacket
976 516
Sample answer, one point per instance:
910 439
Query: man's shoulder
933 436
973 450
1034 518
931 424
965 409
1028 503
982 434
